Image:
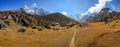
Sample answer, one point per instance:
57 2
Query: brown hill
57 18
25 19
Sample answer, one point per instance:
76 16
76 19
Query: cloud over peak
101 4
95 9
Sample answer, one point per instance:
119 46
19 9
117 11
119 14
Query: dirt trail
73 39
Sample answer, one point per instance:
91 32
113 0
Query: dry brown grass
107 40
47 38
34 38
86 35
91 35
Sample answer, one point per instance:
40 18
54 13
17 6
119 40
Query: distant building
55 24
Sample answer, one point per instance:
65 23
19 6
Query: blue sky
69 6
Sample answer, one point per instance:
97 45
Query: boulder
15 18
40 29
2 25
9 17
47 26
24 22
34 27
7 22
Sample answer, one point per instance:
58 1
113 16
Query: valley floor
90 35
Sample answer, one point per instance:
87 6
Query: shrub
40 29
34 27
46 26
22 30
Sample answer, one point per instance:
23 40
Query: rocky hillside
105 14
27 20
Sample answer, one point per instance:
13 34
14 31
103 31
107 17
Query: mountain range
34 10
41 17
101 16
105 14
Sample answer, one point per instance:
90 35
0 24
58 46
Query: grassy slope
34 38
88 36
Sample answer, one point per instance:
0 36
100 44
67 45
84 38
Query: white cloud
100 5
65 13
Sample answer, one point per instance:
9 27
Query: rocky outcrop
24 22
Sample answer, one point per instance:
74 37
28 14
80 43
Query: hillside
105 14
27 20
98 34
57 18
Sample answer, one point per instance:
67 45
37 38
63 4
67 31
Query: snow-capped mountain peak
28 10
34 10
